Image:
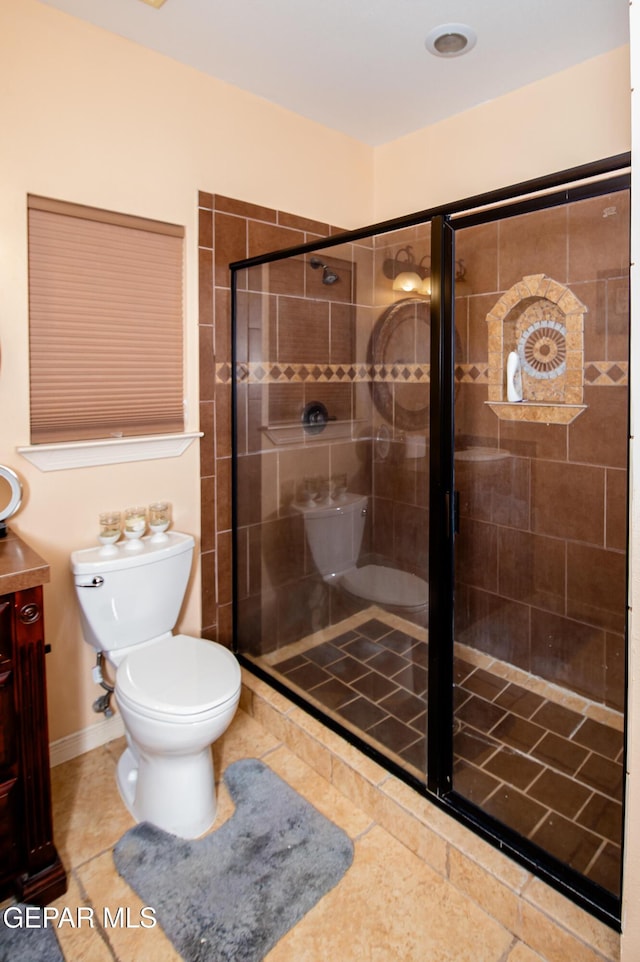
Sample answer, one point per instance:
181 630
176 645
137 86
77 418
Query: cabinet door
8 734
5 631
8 741
10 835
30 685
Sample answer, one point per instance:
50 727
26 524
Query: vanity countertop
20 566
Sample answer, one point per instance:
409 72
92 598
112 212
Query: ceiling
360 66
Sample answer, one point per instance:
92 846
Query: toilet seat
386 586
179 677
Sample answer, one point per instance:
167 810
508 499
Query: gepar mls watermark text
122 917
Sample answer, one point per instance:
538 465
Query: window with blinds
105 323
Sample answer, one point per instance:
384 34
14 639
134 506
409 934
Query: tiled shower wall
229 230
298 344
541 575
301 341
542 548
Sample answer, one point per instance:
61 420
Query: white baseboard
83 741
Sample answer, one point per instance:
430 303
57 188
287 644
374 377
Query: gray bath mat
230 896
24 936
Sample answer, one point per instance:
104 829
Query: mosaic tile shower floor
545 762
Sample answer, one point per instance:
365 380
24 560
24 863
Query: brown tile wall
541 575
287 316
541 554
231 230
293 324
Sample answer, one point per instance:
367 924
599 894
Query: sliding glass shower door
540 466
332 447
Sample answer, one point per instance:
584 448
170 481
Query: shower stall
432 566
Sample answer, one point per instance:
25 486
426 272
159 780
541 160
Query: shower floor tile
376 684
375 687
544 769
541 766
362 713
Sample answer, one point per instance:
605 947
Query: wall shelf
293 432
538 412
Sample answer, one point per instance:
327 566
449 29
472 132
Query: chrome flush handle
96 582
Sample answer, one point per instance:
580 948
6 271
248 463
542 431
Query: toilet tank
134 596
334 532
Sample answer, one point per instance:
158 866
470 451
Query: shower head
329 276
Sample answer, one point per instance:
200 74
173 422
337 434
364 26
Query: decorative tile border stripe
600 373
272 373
606 373
472 373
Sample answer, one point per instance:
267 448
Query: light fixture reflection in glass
407 281
405 272
409 276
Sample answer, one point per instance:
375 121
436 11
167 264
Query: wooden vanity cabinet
30 868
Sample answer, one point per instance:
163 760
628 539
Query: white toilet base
174 792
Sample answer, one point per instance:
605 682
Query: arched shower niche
543 321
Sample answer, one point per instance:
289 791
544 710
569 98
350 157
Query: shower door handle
452 499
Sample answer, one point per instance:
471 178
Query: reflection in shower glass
541 552
332 444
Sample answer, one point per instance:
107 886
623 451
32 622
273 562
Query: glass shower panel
540 464
331 432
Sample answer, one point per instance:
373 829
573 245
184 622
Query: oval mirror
10 496
401 336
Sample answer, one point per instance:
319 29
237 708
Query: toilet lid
179 675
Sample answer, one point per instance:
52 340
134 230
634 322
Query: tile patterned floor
373 676
389 906
542 768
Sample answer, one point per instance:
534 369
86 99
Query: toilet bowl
177 694
334 531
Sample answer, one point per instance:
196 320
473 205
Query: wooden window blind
105 323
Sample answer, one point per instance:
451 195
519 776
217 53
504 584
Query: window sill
87 454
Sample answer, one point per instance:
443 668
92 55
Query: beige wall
97 120
571 118
91 118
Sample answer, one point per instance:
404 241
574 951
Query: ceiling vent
450 40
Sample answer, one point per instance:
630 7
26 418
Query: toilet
334 531
177 694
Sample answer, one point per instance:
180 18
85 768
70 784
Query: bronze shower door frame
554 190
